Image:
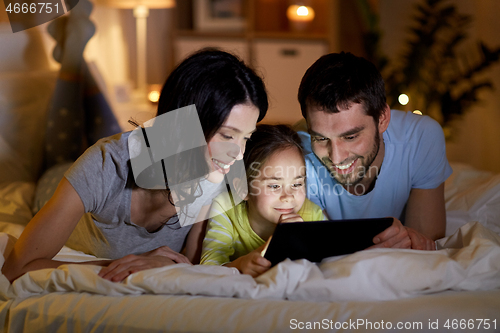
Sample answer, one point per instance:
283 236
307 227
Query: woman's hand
121 268
252 264
165 251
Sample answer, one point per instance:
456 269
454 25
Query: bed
454 289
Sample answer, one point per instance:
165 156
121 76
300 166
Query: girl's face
279 187
228 143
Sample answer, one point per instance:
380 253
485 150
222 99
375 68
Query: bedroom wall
477 134
23 51
113 45
108 48
3 13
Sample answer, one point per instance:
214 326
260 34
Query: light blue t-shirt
415 157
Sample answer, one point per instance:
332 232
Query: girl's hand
287 218
121 268
252 264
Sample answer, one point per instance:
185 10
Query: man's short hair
338 80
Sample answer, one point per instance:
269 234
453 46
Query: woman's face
228 143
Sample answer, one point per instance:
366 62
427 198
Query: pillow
24 99
47 185
15 206
472 195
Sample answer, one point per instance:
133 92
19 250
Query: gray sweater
103 179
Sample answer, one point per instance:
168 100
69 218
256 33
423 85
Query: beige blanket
469 260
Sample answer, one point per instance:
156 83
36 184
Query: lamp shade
130 4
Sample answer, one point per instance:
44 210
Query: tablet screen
315 241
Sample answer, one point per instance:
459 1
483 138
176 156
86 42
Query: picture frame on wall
219 15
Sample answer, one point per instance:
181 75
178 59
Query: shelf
255 35
265 19
210 34
290 35
270 17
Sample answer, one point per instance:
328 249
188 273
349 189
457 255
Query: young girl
276 176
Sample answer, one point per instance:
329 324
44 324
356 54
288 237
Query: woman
98 205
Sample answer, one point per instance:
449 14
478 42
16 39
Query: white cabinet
184 46
282 65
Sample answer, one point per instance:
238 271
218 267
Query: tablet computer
315 241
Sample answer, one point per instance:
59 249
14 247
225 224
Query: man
364 160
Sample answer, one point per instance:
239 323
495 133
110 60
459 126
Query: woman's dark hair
265 142
214 82
337 80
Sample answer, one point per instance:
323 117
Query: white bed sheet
470 260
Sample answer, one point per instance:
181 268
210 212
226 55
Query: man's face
347 142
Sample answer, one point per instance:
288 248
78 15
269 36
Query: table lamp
141 13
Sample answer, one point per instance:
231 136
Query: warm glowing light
300 13
403 99
154 96
417 112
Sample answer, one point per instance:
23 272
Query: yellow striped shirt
229 234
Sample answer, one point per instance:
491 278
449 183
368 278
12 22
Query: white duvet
469 260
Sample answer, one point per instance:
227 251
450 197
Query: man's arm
426 214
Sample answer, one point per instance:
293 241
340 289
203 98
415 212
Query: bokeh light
154 96
403 99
